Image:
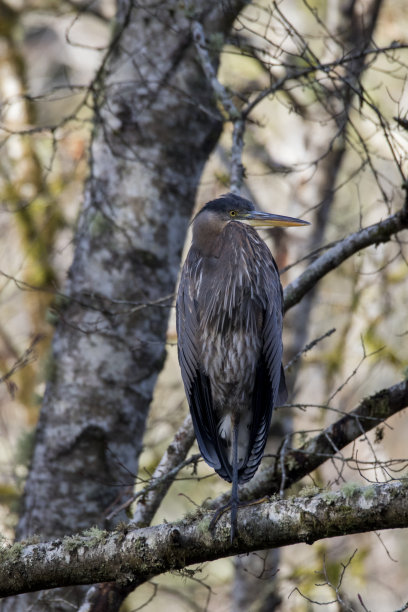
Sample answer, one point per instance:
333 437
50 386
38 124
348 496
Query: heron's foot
254 502
233 506
218 514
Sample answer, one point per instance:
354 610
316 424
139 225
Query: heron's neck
206 233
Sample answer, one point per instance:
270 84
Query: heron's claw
234 511
218 514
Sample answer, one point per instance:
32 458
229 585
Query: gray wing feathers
196 383
270 387
187 324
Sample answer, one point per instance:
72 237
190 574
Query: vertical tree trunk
155 125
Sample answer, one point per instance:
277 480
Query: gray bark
136 555
155 125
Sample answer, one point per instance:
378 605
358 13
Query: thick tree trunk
156 123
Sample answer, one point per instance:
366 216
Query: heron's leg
233 504
234 492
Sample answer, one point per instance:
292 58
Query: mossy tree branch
137 555
298 462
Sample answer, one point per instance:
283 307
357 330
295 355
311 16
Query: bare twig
231 112
309 347
26 358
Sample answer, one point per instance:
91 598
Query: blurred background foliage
50 52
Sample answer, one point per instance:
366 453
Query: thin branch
309 347
342 250
23 360
231 112
164 474
325 67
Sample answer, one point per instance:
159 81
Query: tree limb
299 462
371 412
230 110
164 474
135 556
342 250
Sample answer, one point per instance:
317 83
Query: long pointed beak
262 219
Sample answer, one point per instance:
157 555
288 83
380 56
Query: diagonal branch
164 474
134 556
299 462
342 250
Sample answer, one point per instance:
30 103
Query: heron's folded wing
269 387
196 383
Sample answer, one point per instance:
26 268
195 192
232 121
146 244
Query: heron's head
211 220
230 207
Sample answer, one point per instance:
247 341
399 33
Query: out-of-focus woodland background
312 151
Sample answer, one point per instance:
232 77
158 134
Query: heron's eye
233 213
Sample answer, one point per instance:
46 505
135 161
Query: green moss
380 407
329 496
51 316
349 489
368 492
71 543
204 525
25 448
11 554
99 224
123 527
195 514
94 536
216 42
309 491
188 9
33 539
88 538
302 437
291 462
62 301
50 368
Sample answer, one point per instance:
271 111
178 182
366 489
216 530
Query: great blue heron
229 325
